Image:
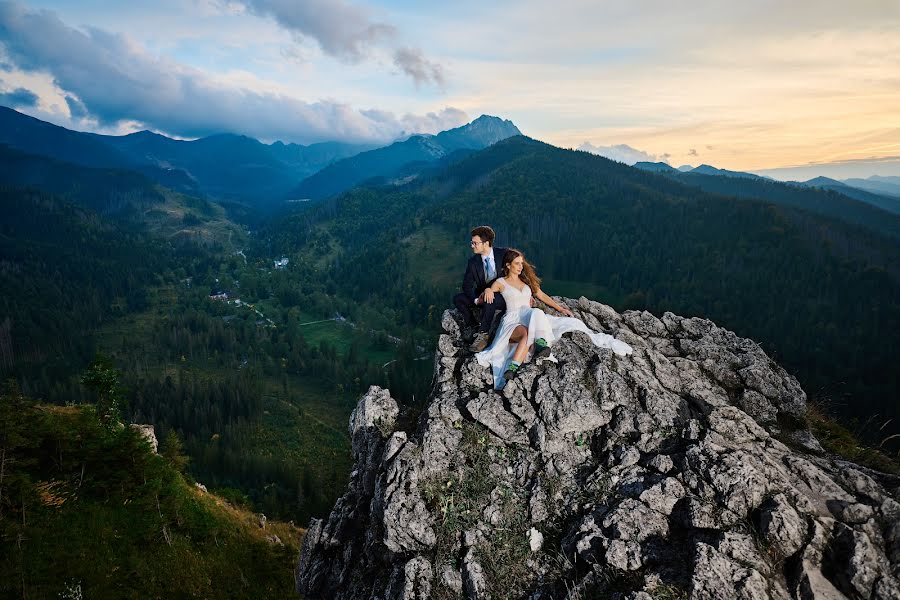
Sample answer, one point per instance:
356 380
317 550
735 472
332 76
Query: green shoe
542 348
511 371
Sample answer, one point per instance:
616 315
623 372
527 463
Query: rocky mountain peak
480 133
684 470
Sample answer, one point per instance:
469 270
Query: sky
783 88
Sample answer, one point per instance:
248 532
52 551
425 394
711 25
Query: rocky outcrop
148 433
685 470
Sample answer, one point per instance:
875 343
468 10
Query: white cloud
622 153
18 97
113 79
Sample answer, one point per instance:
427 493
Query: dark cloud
76 107
692 152
18 98
347 33
342 30
412 62
114 80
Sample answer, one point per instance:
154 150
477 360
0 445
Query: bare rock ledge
685 470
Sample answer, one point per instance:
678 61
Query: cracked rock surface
685 470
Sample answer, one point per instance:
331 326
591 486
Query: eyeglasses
473 244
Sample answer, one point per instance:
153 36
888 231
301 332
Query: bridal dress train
540 325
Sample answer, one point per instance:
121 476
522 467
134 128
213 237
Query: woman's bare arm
540 295
496 287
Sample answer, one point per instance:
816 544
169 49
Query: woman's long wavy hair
528 274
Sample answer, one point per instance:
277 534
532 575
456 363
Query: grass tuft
839 440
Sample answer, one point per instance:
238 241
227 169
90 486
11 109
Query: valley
248 327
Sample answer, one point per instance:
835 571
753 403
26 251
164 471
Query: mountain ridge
384 162
227 166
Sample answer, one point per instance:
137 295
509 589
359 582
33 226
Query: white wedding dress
540 325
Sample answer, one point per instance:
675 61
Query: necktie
489 262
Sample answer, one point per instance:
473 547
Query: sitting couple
498 280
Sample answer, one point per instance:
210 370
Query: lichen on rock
685 470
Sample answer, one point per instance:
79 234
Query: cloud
342 30
622 153
413 63
347 32
448 118
112 79
76 107
693 152
19 97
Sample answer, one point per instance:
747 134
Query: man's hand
488 295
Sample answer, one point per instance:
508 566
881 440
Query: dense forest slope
64 271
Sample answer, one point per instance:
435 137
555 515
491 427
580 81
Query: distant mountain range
661 167
889 186
883 192
225 167
237 168
390 160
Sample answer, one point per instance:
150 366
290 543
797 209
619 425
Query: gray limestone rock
413 581
683 470
451 579
782 526
474 582
148 433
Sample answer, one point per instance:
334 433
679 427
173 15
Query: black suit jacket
474 280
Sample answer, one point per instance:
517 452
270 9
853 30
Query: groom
481 271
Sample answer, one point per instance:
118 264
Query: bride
525 329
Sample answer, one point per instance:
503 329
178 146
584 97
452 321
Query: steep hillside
89 511
64 271
126 197
37 137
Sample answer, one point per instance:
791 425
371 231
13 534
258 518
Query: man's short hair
485 233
